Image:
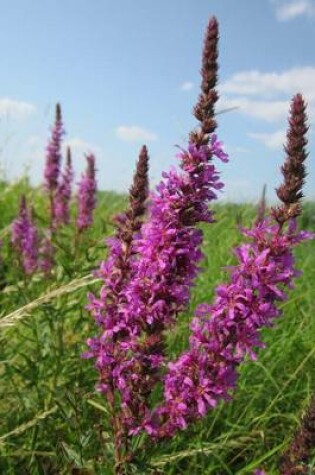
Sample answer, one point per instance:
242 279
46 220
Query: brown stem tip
58 112
293 170
204 109
129 222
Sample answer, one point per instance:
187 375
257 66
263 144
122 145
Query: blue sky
127 72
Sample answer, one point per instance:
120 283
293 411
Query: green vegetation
51 419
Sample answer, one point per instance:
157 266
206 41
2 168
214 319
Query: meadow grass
52 421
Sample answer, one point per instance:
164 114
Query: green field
52 421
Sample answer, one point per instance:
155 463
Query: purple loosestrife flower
161 278
52 166
115 272
169 250
24 238
53 155
63 193
87 195
227 331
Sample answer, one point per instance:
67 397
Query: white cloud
269 84
187 86
273 140
134 133
13 109
270 111
266 95
288 10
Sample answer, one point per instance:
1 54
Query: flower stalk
63 193
24 238
115 273
86 198
53 160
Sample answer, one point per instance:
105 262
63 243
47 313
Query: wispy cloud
270 111
286 10
187 86
266 95
274 140
134 133
271 83
13 109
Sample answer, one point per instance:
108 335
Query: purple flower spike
63 193
24 238
87 196
53 155
227 331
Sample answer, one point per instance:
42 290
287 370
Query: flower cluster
160 282
58 185
87 195
24 238
227 331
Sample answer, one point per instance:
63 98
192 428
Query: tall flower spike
24 238
204 109
139 190
298 456
63 193
87 195
129 222
293 169
53 155
115 272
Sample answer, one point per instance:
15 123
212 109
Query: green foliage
51 419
